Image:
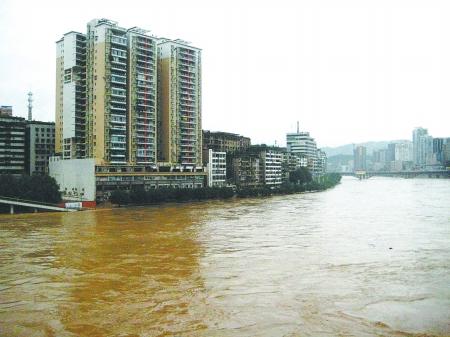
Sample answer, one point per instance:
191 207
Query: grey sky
349 71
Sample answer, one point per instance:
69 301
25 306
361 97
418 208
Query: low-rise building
12 145
217 168
83 180
75 177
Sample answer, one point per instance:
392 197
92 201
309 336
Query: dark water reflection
366 258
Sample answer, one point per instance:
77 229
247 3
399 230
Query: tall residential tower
179 113
70 107
126 97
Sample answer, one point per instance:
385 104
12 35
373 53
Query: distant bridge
403 174
32 204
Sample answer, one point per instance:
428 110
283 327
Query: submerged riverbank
139 196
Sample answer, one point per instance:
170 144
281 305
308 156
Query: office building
179 106
12 145
303 145
40 146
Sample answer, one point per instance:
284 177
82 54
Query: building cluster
428 152
25 145
261 165
423 153
396 157
128 113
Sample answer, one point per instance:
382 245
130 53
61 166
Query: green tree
300 176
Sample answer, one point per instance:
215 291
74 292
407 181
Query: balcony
119 61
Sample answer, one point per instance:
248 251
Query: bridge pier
11 209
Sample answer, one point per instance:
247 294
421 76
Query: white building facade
271 161
217 168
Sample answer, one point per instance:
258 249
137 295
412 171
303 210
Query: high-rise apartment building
106 104
422 148
107 97
360 159
70 105
179 107
142 97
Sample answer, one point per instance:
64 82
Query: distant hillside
348 148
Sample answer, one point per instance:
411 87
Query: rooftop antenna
30 106
298 127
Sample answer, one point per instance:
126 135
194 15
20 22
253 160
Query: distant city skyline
349 73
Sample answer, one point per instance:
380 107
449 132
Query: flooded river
367 258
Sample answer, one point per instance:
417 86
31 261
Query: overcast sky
348 71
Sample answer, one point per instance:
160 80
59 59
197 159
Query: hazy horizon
349 72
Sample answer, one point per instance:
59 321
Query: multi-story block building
6 110
259 165
179 113
40 146
446 153
403 151
12 145
321 162
217 168
225 142
271 167
246 170
291 163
